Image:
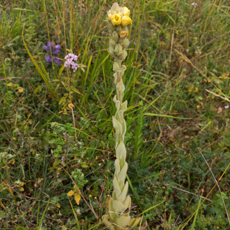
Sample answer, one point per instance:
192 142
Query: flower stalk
118 215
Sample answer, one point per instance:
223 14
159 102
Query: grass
177 88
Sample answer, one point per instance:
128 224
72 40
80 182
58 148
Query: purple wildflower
70 61
194 4
52 51
48 59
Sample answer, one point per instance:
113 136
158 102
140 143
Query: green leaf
62 100
84 165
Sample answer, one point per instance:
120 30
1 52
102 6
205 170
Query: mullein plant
118 215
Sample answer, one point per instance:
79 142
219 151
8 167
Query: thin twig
191 193
217 185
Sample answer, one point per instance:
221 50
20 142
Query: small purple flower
226 107
70 61
194 4
48 59
52 51
57 60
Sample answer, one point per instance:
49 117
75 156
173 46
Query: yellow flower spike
116 19
126 11
124 34
126 20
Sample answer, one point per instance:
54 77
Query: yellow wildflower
191 89
126 20
109 16
20 89
126 11
224 76
116 19
124 34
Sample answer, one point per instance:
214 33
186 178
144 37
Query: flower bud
119 55
109 16
118 48
126 11
115 36
112 43
116 19
110 50
126 20
124 34
124 55
116 67
126 43
115 7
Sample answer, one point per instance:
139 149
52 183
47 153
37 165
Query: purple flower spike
45 47
52 51
57 46
56 60
56 51
50 44
48 59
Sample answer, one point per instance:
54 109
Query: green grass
177 88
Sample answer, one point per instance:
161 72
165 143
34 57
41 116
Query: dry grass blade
224 98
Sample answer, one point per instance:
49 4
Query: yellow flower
126 11
124 34
116 19
10 84
126 20
109 16
20 89
191 89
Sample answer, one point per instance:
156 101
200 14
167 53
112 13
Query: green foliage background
177 87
